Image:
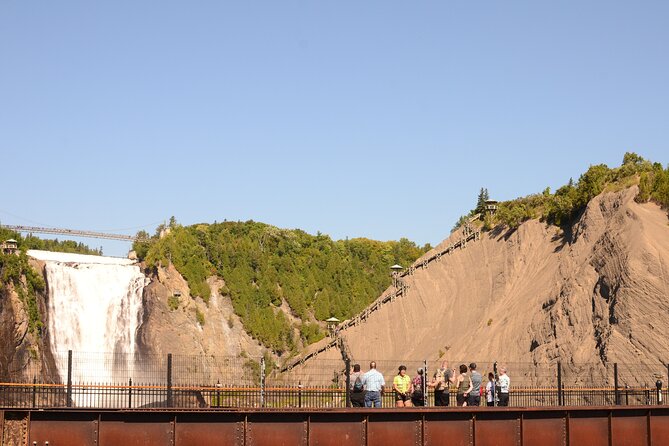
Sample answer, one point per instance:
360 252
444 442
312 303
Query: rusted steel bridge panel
62 428
397 428
497 429
589 428
545 429
276 429
338 429
659 429
454 429
630 429
221 429
139 429
568 426
14 431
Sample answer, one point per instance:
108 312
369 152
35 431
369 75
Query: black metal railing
153 396
174 381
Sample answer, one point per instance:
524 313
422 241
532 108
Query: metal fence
91 380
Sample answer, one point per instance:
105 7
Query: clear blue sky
378 119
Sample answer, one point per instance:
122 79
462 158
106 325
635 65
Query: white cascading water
95 310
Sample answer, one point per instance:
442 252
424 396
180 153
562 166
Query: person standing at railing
418 384
504 384
474 398
357 390
374 384
402 388
441 382
490 390
464 385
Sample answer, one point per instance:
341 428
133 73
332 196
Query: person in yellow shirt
402 388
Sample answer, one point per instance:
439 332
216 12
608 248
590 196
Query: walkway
468 235
72 232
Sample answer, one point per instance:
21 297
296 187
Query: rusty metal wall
577 426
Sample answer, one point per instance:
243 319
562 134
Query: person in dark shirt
356 389
474 398
418 383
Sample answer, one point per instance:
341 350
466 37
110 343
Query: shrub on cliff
569 200
263 265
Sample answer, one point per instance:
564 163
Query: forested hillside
264 266
563 206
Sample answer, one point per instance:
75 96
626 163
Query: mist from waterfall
95 310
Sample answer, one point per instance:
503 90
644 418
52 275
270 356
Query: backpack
418 386
357 386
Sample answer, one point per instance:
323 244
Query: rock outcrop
530 297
588 297
175 322
24 355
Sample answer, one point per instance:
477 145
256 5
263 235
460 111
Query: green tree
480 202
262 265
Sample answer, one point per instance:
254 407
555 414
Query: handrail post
69 378
130 393
262 382
169 380
424 385
559 383
348 382
34 391
615 383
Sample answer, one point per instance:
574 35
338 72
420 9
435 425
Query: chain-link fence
143 381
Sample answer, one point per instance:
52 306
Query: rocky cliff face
528 298
533 296
181 325
175 322
23 355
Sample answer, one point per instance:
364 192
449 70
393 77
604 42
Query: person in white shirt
490 390
504 384
374 385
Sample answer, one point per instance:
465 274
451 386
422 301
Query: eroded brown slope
596 295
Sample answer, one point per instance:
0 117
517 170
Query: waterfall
95 310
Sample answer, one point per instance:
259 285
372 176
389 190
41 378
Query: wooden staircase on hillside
468 234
